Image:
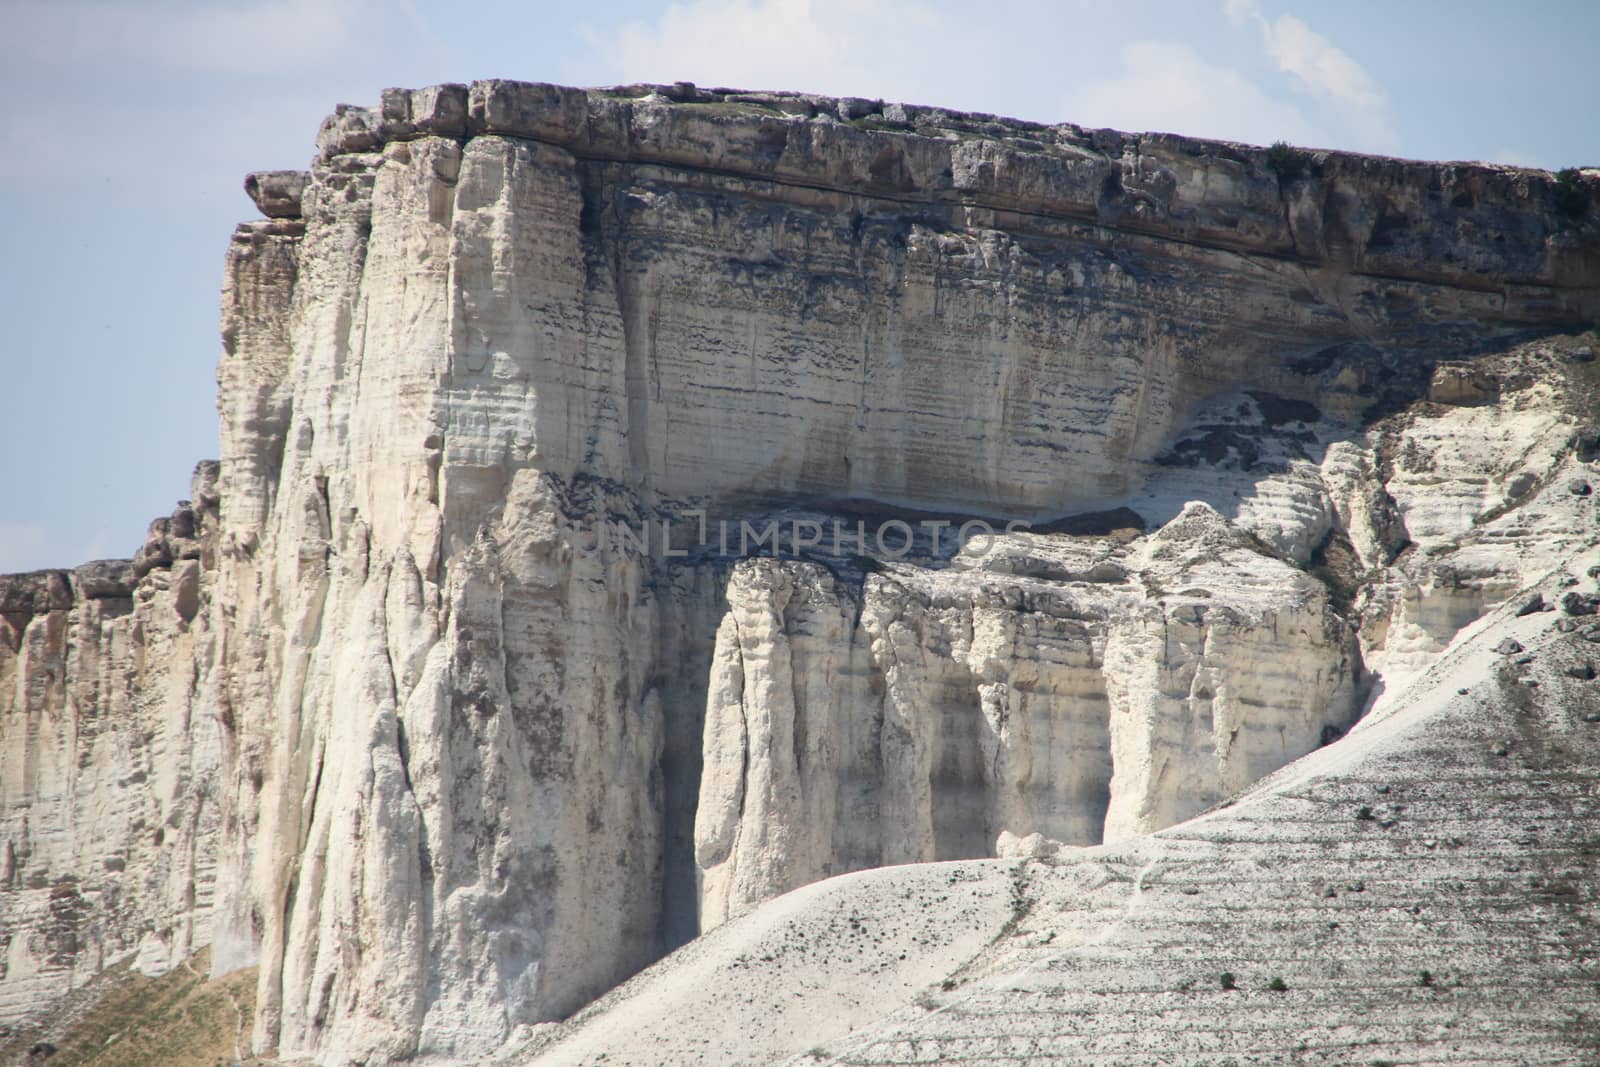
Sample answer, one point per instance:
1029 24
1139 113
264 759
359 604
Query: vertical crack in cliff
397 687
744 749
790 617
638 342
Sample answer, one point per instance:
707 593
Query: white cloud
772 44
1240 12
1164 86
264 37
902 50
1325 71
875 48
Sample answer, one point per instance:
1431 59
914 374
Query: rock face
444 704
1421 891
919 716
109 760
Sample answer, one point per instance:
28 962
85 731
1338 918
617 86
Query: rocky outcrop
470 712
920 715
1421 891
109 762
277 193
1093 283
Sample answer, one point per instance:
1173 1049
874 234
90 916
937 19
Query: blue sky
127 128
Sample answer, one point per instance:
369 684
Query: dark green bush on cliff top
1571 193
1286 161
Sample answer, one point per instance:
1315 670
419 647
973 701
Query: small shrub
1363 814
1571 194
1277 985
1227 980
1286 161
1425 978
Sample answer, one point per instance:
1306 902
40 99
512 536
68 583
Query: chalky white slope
1421 891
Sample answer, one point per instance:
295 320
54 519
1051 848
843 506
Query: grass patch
125 1019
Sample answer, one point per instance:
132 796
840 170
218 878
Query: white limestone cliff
393 714
109 762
